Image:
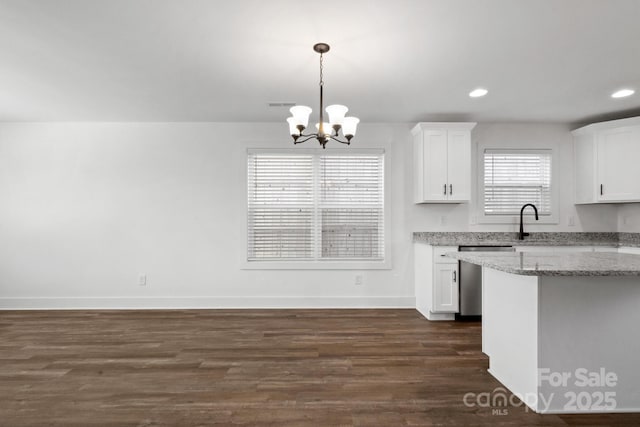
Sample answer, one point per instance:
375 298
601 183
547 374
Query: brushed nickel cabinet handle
445 189
451 189
454 276
601 189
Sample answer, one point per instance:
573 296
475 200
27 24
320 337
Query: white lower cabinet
437 284
436 281
445 288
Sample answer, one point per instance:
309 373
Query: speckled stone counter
556 264
629 239
534 239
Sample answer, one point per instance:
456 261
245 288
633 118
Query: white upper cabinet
442 162
606 156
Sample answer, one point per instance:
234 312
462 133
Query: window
315 207
513 178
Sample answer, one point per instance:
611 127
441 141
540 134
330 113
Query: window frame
345 264
482 218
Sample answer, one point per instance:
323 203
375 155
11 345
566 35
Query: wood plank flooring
249 368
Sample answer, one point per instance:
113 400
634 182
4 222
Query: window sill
316 265
515 219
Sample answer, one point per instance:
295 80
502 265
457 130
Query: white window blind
315 207
281 207
513 178
351 207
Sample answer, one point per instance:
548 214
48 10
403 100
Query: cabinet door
435 165
445 288
618 171
459 165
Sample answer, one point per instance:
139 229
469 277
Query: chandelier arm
311 135
340 141
306 138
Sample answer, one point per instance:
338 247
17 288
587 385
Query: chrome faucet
522 233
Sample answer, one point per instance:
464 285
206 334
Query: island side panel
423 273
510 331
590 323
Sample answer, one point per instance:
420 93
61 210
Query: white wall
629 218
88 207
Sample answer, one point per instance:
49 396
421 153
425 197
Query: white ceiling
390 61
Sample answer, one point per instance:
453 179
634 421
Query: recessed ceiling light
477 93
623 93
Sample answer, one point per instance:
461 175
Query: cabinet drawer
630 250
438 254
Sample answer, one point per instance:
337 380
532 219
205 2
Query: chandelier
325 131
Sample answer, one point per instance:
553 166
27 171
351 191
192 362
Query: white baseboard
436 316
441 316
117 303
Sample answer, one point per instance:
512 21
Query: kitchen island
562 330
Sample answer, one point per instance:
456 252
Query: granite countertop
534 239
557 264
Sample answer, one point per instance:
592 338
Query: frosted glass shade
301 114
349 125
293 126
336 113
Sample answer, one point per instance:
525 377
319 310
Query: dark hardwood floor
249 368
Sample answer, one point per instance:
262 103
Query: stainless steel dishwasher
471 281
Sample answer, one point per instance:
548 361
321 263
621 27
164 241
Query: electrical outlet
443 220
571 221
473 220
142 280
359 280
